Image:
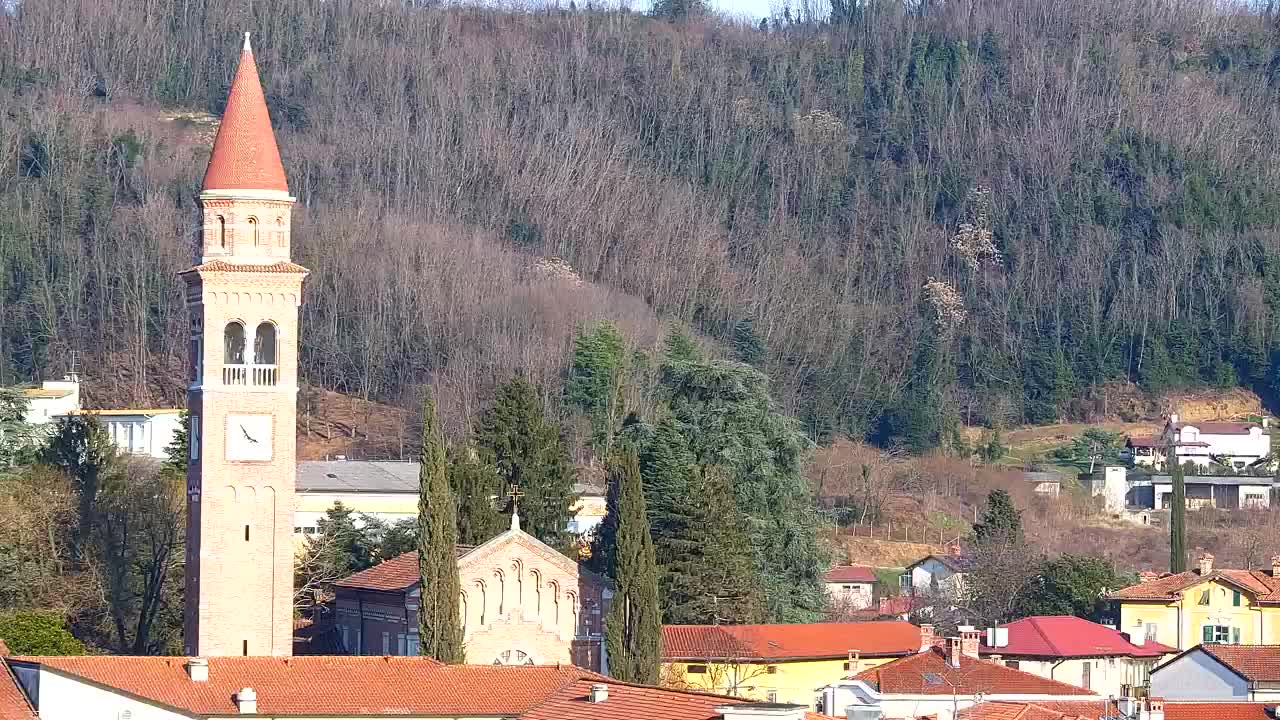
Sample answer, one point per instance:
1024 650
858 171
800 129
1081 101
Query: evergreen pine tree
525 447
747 345
712 578
1001 521
679 347
475 486
1177 516
439 618
633 629
667 467
595 380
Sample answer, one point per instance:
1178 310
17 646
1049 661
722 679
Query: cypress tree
1177 516
633 628
475 485
439 619
516 437
1001 521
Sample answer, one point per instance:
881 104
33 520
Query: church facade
522 603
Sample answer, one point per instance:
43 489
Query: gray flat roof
1216 480
372 476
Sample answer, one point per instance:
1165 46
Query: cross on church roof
515 494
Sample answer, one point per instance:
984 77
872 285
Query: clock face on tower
249 437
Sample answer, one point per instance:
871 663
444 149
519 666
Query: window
772 669
253 230
1220 634
346 646
264 344
1151 631
222 233
696 669
402 644
233 344
1012 664
246 533
412 645
246 648
386 643
194 439
280 231
1204 598
771 696
1086 678
1235 598
904 580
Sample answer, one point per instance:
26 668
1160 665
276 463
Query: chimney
1275 566
997 659
1153 709
953 652
927 638
1138 636
970 639
599 693
1206 564
198 669
1173 418
247 701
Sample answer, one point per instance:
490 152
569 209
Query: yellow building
1239 607
780 663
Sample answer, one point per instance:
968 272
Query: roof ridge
1035 624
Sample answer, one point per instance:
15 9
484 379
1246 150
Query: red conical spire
245 156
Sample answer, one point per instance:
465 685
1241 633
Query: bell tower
242 296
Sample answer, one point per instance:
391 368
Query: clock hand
247 436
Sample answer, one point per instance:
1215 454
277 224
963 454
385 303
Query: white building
147 432
1230 444
850 587
938 575
1237 673
1225 492
51 399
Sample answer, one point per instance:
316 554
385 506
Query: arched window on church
502 591
222 233
265 372
233 344
279 231
253 230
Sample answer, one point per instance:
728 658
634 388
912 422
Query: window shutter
1207 633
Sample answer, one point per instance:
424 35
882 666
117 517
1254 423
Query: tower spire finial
246 42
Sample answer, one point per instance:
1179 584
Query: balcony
250 375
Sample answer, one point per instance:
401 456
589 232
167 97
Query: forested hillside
907 215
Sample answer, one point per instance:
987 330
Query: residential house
51 399
1144 450
523 603
850 586
1075 651
338 688
939 575
388 490
779 663
148 431
1236 673
1206 604
1045 482
1225 492
939 681
1232 444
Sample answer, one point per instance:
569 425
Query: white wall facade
63 697
1104 676
42 409
1250 496
142 433
850 595
932 574
1195 675
1237 448
836 699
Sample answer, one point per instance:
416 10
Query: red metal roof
789 641
851 574
908 676
1066 636
245 156
328 685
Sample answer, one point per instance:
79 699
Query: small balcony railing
250 375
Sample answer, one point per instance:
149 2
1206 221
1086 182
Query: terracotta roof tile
850 574
907 676
787 641
1220 428
1218 711
1143 441
283 266
328 685
628 702
1066 636
1255 663
13 703
1260 583
1040 710
245 156
398 573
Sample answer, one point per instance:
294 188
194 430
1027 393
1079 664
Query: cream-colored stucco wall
1107 675
1180 623
795 681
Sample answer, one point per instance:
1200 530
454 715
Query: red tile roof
851 574
789 642
628 702
1066 636
245 156
1219 428
1218 711
391 575
1143 441
1259 583
328 685
1040 710
907 676
1255 663
222 266
13 703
